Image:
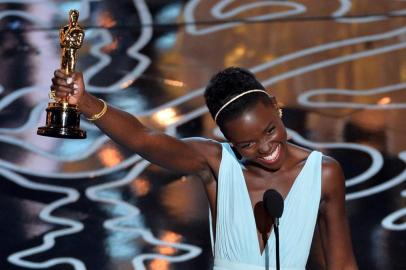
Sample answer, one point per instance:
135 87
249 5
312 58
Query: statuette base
62 122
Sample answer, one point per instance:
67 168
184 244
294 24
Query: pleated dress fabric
236 245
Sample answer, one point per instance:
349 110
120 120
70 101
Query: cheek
281 133
248 153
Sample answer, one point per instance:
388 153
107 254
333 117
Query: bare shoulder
333 181
330 166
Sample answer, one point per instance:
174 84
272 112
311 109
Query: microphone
273 204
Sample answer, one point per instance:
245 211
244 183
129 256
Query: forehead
250 123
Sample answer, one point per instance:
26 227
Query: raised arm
125 129
335 232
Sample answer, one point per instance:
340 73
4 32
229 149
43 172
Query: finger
61 95
60 74
63 90
57 81
72 100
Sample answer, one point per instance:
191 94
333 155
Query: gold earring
280 112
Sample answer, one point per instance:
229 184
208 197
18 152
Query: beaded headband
237 97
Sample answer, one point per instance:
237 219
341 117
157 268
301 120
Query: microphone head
273 203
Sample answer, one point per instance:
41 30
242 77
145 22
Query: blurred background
338 69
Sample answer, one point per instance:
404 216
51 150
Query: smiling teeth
273 155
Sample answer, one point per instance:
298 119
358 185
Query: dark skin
256 133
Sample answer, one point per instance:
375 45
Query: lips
273 156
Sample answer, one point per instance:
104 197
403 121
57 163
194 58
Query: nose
264 146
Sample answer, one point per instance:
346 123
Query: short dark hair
227 84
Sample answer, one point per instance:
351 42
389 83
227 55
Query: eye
271 130
246 145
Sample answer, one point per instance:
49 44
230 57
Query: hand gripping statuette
63 119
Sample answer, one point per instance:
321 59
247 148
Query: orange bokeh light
170 237
141 187
110 156
159 264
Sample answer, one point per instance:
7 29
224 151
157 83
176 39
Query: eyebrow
263 131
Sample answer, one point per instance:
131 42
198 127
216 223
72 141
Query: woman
257 157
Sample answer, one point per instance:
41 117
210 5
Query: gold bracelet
96 116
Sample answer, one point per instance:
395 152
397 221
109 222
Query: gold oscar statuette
63 119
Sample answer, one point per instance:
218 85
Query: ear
274 102
276 105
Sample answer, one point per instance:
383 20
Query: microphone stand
276 230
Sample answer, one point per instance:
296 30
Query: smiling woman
311 185
257 158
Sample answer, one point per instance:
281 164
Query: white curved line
96 50
10 98
328 46
362 19
49 238
66 158
84 10
133 52
399 12
381 187
259 68
216 11
345 6
191 6
72 175
333 61
35 114
30 123
389 222
25 15
304 98
132 211
376 157
23 1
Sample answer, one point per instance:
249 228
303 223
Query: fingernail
75 92
69 80
75 86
